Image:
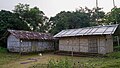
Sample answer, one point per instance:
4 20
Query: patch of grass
62 63
111 61
114 55
3 50
52 63
116 48
7 57
115 63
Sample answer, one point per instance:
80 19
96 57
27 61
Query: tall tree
69 20
96 16
113 17
9 20
82 17
34 17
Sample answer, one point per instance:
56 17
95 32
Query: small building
26 41
97 39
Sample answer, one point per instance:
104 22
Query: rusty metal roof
20 34
96 30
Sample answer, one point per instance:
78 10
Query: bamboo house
26 41
97 39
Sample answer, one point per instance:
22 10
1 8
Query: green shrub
114 55
63 63
113 65
3 50
117 48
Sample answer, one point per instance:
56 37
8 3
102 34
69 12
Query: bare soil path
26 62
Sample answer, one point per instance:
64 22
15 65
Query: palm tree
97 11
114 3
114 6
96 3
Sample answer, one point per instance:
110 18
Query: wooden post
72 56
118 40
72 51
79 44
20 47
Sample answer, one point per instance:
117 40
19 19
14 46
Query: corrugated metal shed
96 30
20 34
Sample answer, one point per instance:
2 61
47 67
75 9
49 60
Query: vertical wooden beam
72 46
20 47
72 51
118 40
79 44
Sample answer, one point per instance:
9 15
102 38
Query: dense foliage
82 17
33 17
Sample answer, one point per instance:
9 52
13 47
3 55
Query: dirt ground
26 62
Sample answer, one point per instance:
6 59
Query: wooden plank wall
102 45
109 43
105 44
14 45
25 46
73 44
35 46
63 45
81 44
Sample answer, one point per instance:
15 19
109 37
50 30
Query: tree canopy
34 17
22 18
9 20
113 17
83 17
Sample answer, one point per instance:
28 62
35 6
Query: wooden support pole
72 51
20 47
118 40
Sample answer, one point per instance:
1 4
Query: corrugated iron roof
96 30
20 34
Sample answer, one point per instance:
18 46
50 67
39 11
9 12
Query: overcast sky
52 7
